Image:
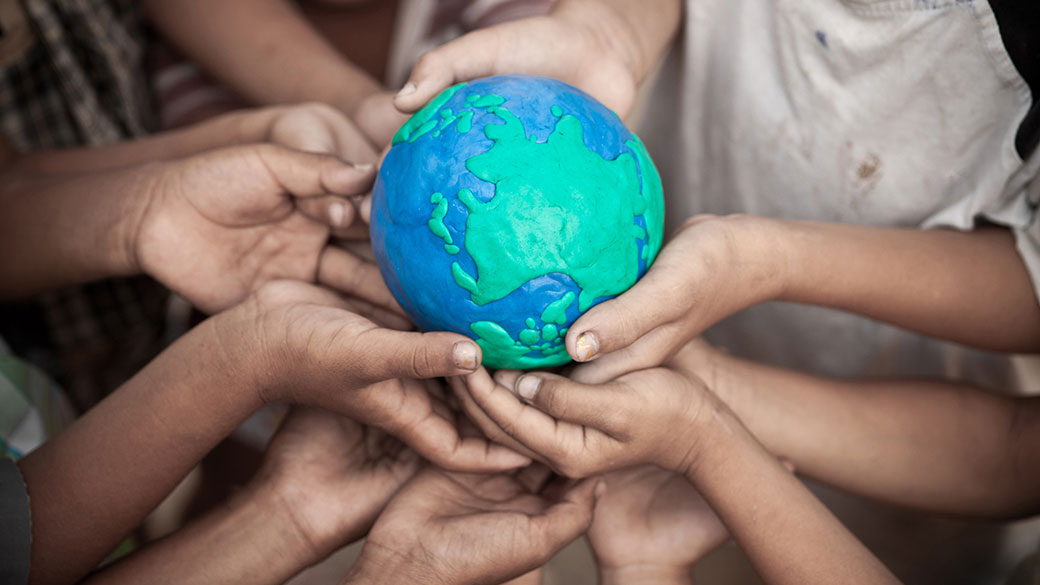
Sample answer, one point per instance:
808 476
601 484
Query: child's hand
711 268
587 48
377 117
466 529
648 416
651 526
215 226
294 342
332 477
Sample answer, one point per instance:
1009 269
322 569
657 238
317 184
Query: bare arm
968 287
936 446
273 57
93 483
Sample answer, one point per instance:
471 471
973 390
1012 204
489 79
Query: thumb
465 58
570 517
655 300
387 354
309 174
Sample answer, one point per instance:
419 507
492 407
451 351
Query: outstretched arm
273 57
968 287
289 342
930 445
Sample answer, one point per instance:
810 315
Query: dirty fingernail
587 346
465 355
527 387
408 89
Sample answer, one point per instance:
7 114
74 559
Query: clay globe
507 207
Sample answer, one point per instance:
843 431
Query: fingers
331 210
655 300
437 439
649 351
307 174
468 57
384 354
563 399
565 520
485 424
345 272
571 449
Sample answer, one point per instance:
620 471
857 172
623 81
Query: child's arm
605 47
323 482
262 49
212 227
967 287
289 342
310 127
930 445
669 418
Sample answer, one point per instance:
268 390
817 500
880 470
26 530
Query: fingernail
587 346
527 387
363 167
465 355
601 488
408 89
336 213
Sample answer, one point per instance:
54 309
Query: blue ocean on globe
507 207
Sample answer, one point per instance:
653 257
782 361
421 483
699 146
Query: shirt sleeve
15 537
1027 234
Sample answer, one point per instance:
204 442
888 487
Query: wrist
645 575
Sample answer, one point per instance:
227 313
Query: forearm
967 287
789 536
275 56
249 539
63 230
932 445
241 127
637 32
91 485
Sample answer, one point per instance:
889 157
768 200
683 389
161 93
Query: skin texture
668 417
623 39
462 529
323 482
967 287
651 526
190 220
262 60
978 447
288 342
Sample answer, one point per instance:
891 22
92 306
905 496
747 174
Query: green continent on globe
546 200
544 203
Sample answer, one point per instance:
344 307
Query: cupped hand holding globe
509 206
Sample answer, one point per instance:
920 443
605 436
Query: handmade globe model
507 207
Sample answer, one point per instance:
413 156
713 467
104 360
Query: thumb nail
527 387
587 346
464 354
407 90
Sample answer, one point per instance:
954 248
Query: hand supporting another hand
651 526
461 529
216 226
323 481
301 344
